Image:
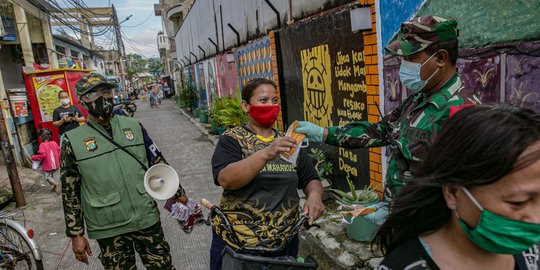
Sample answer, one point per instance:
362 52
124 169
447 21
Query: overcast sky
141 29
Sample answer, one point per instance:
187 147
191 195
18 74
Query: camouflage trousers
118 253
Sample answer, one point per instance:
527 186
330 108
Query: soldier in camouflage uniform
428 48
102 185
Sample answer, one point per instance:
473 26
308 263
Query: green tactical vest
114 200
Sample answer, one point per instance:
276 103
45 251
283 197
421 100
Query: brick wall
372 82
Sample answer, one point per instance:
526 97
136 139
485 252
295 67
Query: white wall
251 18
162 41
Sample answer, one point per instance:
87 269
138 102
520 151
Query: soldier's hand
281 144
313 132
81 247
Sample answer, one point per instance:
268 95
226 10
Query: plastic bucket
203 117
360 229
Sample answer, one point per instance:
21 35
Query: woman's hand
279 145
314 208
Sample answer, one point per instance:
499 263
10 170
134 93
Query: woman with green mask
476 202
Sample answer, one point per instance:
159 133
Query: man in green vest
103 165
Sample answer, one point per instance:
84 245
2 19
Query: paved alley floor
185 148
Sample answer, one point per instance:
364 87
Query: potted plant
203 116
227 112
365 197
187 96
196 112
359 203
216 106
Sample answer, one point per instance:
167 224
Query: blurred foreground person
475 203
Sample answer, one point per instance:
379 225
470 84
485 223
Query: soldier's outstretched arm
359 134
364 134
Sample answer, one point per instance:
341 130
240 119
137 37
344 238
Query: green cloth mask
499 234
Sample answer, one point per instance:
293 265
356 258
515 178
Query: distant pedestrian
67 116
160 93
154 96
166 90
143 95
49 155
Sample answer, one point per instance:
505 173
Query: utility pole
10 164
120 48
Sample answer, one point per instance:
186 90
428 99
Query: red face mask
264 115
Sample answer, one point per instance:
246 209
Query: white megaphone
161 181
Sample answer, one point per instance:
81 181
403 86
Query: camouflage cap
417 34
90 81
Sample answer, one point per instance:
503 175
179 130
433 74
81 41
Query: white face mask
64 101
292 159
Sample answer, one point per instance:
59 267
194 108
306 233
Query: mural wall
211 82
325 81
200 85
498 56
522 72
226 71
393 13
254 61
258 60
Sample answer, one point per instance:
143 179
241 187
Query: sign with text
324 77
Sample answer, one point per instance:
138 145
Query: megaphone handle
206 203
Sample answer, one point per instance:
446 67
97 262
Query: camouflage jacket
71 182
413 125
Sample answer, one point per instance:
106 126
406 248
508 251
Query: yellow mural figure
316 82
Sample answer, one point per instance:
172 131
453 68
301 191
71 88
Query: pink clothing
49 154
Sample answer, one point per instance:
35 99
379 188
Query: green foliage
155 67
135 64
187 95
227 112
366 194
323 166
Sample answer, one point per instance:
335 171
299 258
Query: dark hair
450 46
247 90
477 146
63 91
44 134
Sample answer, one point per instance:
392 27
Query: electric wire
149 15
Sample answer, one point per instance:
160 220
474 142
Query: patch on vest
91 144
129 134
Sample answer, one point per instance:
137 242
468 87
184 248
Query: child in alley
49 155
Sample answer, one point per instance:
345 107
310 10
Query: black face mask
101 107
